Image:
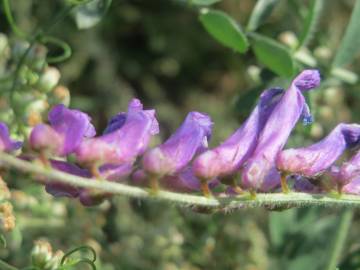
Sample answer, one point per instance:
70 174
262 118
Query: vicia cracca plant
253 159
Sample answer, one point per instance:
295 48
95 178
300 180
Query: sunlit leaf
90 14
224 29
261 11
273 55
350 44
310 22
204 2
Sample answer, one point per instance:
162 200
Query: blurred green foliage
161 52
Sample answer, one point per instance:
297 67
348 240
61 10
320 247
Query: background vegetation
176 56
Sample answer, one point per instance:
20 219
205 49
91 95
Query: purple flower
6 143
126 137
315 159
277 130
116 173
87 197
347 173
353 187
58 189
174 154
183 181
227 158
66 131
302 184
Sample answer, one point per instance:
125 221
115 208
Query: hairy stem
222 203
339 239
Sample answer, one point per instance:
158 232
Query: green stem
10 19
292 199
339 239
6 266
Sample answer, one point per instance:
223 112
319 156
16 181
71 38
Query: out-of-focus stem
6 266
339 239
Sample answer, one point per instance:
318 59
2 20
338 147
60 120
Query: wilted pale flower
126 137
315 159
175 153
6 143
227 158
66 131
277 129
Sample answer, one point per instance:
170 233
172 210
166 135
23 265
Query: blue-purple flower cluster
254 153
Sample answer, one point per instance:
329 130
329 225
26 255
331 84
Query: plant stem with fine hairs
270 200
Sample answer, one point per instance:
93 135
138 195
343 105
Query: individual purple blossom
116 173
174 154
126 137
348 172
277 130
58 189
183 181
353 187
87 197
227 158
302 184
64 134
6 143
313 160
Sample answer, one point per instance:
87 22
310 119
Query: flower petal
175 153
277 129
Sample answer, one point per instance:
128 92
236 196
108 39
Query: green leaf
224 29
350 44
273 55
204 2
311 22
260 13
90 14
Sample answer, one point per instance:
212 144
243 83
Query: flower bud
41 254
49 79
7 218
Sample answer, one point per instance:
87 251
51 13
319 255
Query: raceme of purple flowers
253 158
